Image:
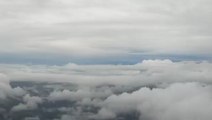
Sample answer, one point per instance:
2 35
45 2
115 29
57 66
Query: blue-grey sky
104 31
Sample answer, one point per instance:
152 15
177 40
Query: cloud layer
145 72
190 101
149 90
101 29
105 31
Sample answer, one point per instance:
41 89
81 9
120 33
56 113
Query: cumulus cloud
180 101
166 89
30 103
149 90
84 94
105 114
4 86
6 90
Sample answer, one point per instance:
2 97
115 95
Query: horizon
105 60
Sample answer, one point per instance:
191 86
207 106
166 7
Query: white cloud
156 89
182 101
144 73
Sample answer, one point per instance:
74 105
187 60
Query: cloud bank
149 90
181 101
143 73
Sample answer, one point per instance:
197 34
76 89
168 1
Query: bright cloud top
149 90
146 72
189 101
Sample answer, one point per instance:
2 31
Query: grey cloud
30 103
106 28
6 90
105 114
67 117
144 73
149 90
4 86
32 118
78 95
81 30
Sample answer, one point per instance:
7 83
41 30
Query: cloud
6 90
67 117
98 31
4 86
32 118
30 103
148 90
177 102
144 73
85 94
101 29
105 114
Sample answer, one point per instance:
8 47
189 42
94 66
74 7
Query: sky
104 32
105 60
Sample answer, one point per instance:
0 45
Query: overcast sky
105 59
104 31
